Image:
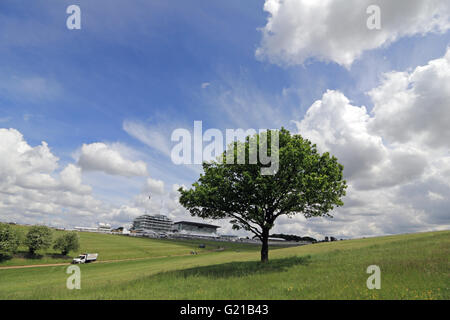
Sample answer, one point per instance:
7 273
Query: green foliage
9 239
292 237
306 182
67 242
37 238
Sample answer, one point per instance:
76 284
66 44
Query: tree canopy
9 239
305 182
37 238
67 242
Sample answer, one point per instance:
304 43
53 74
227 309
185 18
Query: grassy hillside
118 247
413 266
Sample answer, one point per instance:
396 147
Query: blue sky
161 65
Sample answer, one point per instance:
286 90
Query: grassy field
413 266
117 247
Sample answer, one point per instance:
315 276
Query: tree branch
251 228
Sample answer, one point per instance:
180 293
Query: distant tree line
329 239
292 237
37 238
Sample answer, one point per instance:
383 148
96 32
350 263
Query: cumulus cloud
101 157
415 106
154 186
70 178
343 129
31 189
395 158
35 189
125 214
22 158
337 31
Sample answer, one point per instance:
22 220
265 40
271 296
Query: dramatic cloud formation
31 190
337 126
415 107
101 157
332 30
34 189
396 159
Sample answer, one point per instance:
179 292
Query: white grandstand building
152 224
189 228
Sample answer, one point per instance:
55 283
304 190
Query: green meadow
413 266
117 247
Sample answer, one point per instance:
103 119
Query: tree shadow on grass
28 255
5 257
36 256
241 269
59 256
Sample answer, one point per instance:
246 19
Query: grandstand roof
197 224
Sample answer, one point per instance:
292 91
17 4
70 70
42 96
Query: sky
86 115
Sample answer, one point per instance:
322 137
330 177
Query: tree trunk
265 246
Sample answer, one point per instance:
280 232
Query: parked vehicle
85 258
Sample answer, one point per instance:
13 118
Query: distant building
195 228
102 228
230 237
152 223
86 229
274 239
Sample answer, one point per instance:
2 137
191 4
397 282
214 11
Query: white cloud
31 189
435 196
396 159
415 106
34 190
125 214
70 178
154 186
343 129
332 30
101 157
155 137
20 162
237 95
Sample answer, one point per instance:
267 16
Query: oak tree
306 182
